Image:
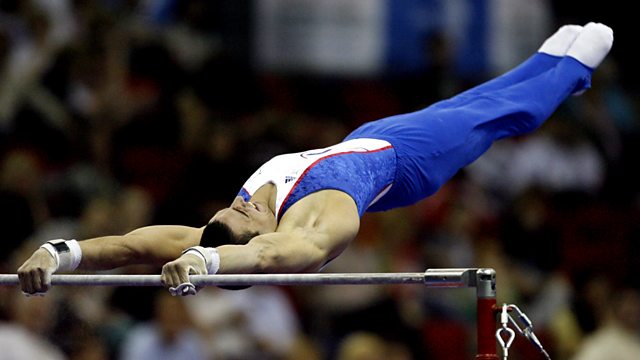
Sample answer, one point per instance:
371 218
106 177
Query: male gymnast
299 211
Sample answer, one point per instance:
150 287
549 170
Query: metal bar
431 278
484 280
450 278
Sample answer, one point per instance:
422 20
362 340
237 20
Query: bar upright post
486 315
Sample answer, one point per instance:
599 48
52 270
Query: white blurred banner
370 37
321 36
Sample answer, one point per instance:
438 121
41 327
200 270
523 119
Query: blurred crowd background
116 114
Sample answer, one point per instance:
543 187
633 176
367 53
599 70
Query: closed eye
241 212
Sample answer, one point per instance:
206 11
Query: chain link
505 343
524 327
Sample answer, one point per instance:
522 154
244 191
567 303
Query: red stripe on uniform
317 161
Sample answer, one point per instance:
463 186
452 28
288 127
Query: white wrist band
209 255
66 253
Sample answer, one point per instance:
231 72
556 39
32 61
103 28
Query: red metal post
486 315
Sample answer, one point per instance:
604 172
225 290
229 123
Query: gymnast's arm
153 245
297 250
301 243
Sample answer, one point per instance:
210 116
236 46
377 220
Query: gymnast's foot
558 43
592 44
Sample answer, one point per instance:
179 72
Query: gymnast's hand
175 274
35 273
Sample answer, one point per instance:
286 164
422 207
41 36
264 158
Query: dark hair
217 233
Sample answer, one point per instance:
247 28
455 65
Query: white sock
592 44
558 43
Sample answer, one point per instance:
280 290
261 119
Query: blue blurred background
120 114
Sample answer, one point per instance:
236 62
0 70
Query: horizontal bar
431 278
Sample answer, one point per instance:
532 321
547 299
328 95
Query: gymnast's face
244 217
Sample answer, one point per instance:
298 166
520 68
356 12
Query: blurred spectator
36 41
170 335
617 337
77 337
187 37
27 335
19 181
558 157
258 322
607 112
133 209
610 116
363 345
305 348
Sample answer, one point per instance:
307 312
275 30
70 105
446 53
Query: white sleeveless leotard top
363 168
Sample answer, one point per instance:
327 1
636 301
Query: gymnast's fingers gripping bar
448 278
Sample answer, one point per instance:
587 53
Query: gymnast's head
238 223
